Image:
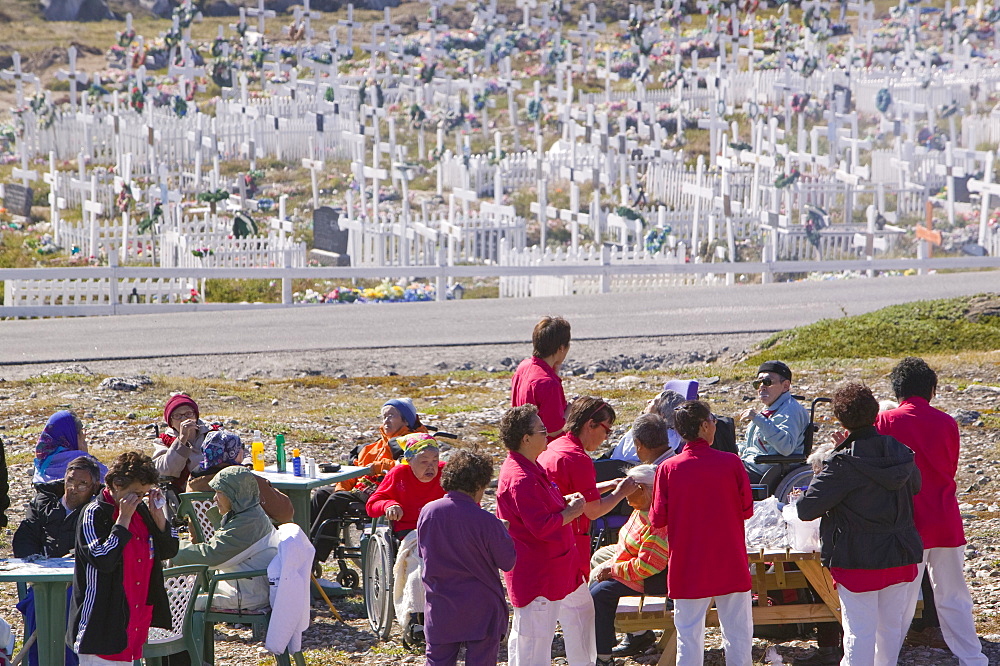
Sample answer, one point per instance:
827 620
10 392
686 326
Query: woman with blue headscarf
61 442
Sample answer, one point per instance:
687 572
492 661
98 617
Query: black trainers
634 645
605 662
824 656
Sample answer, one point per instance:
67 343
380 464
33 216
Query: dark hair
550 334
688 418
912 376
854 405
650 430
515 424
87 464
129 467
467 471
587 408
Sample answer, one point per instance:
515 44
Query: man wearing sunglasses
779 428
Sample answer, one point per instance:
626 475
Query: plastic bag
766 528
803 535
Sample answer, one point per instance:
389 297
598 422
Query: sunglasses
762 381
607 428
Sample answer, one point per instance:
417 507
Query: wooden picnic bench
772 571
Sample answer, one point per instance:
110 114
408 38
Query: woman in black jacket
118 582
865 497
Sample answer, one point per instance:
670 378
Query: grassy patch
925 327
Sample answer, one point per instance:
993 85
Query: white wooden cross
124 178
950 170
56 202
73 75
315 166
18 77
91 209
25 172
186 71
351 25
261 14
986 188
281 223
700 192
716 123
526 6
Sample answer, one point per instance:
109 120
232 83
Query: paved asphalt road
683 311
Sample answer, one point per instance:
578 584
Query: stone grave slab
329 240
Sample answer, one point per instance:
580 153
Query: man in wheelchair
779 428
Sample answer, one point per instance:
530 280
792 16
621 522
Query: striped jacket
99 613
641 552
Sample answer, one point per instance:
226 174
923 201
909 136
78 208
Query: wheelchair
378 548
786 473
340 533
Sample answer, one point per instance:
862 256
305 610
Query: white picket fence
593 259
94 293
840 242
217 251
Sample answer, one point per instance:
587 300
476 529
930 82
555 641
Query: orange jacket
380 457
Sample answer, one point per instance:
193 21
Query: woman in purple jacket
463 546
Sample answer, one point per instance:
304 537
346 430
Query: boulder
219 8
76 10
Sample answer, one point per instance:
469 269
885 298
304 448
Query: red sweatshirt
933 436
401 487
702 496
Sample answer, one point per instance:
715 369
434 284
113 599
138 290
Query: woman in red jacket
408 487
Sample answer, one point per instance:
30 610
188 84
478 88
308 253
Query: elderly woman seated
639 567
61 442
221 449
399 418
406 489
246 540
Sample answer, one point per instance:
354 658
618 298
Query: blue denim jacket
779 434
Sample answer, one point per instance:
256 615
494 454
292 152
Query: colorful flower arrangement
386 292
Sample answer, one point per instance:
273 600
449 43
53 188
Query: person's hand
840 436
126 507
626 486
189 431
748 415
394 512
650 404
575 501
601 573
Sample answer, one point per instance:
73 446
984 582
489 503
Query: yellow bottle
257 451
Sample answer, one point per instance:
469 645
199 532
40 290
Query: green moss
923 327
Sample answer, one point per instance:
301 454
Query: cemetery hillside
510 150
318 158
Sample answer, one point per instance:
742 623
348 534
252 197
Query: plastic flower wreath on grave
213 198
817 219
125 38
656 238
244 226
45 114
784 181
124 201
630 214
147 223
883 100
534 108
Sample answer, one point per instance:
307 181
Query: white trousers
534 625
874 625
94 660
953 602
735 619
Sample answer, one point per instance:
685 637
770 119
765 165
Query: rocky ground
330 404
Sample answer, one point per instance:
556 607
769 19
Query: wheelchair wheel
798 477
348 578
380 555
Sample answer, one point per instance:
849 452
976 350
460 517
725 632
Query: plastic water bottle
279 445
257 451
296 463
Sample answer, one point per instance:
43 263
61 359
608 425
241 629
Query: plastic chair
202 514
604 530
182 585
257 619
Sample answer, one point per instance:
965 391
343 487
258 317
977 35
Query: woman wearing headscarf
221 449
406 489
179 451
61 442
245 541
399 418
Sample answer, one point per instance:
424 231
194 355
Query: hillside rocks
76 10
